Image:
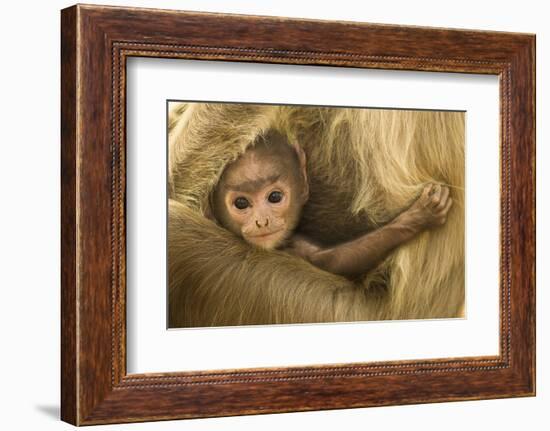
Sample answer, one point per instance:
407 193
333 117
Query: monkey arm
366 252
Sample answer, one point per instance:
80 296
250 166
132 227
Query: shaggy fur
365 166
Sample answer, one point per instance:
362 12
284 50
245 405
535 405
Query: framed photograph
317 215
277 177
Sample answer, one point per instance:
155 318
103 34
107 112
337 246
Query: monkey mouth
264 235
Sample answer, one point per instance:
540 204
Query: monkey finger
427 191
443 199
447 207
436 196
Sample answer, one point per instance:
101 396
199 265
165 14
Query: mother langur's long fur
365 166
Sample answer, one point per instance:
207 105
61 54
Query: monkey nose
259 225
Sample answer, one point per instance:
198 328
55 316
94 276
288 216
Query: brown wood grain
69 368
96 41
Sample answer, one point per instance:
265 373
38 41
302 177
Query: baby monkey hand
429 210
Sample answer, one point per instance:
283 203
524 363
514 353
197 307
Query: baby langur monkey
260 197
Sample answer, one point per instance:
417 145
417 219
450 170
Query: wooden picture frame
95 43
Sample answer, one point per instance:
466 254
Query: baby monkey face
260 198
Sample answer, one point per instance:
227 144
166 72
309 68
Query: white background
151 348
29 231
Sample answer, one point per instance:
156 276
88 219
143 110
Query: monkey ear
303 169
208 210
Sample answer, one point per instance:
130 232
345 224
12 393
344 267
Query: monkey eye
241 203
275 197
